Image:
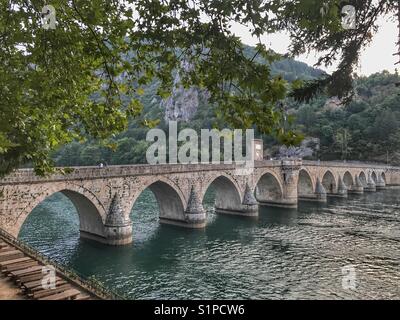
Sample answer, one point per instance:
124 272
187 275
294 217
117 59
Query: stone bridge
104 197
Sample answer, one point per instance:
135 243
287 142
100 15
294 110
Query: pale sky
377 57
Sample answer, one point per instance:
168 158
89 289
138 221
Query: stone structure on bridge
104 197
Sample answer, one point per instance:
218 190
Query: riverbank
9 291
23 275
23 270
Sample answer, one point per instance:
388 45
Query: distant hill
190 105
366 129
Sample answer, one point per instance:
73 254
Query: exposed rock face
183 103
333 103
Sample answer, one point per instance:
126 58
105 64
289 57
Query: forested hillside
130 146
366 129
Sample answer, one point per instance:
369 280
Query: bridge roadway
104 197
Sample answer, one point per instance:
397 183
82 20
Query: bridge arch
268 188
170 199
348 180
305 185
329 182
90 210
383 176
227 193
363 178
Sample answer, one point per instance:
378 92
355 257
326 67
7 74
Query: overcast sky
377 57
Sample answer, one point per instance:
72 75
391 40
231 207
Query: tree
64 84
84 77
317 25
342 139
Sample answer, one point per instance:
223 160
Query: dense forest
366 129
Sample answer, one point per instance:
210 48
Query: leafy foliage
316 25
130 145
66 84
85 78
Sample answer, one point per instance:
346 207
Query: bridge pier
341 190
371 187
319 195
195 215
357 187
320 192
117 227
380 184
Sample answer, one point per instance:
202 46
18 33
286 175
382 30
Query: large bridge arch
227 192
91 211
268 188
170 199
348 180
305 184
329 182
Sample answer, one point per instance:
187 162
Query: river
284 254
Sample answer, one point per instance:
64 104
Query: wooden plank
50 292
34 276
20 266
36 283
11 256
7 249
39 287
26 271
3 254
66 295
10 262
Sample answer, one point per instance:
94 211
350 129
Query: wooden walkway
29 275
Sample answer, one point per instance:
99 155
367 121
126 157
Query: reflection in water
284 254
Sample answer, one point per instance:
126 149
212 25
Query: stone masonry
104 197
